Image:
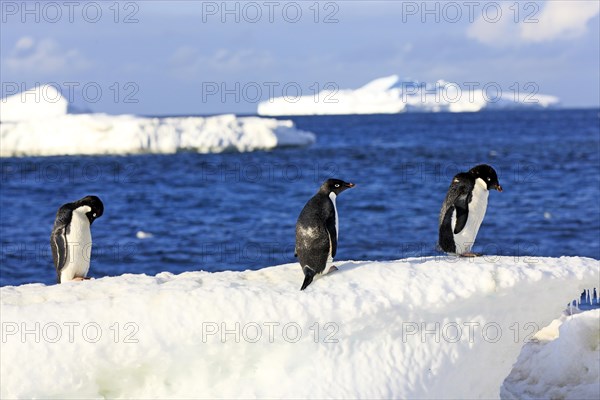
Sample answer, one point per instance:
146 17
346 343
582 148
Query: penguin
317 230
464 208
71 238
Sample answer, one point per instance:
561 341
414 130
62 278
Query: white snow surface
390 95
43 128
561 362
375 345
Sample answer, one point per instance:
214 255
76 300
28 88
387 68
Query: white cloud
43 57
555 20
494 32
561 20
24 43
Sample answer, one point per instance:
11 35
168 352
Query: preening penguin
71 238
464 208
317 230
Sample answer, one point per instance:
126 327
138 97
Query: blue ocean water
237 211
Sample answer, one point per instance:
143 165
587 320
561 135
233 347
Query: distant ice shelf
390 95
40 126
434 327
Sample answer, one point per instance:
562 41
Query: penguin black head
488 175
94 202
336 186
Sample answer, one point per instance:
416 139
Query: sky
209 57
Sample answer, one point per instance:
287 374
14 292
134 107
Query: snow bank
415 328
390 95
37 103
45 129
561 362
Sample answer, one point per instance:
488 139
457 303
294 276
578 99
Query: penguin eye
488 179
94 215
337 185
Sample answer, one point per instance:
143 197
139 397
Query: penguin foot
469 254
333 269
80 278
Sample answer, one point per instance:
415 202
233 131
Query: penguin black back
317 229
61 232
457 199
464 208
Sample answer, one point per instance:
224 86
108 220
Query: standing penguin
464 208
317 230
71 238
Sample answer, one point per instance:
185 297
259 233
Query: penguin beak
499 188
350 185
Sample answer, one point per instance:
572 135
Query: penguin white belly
79 242
332 196
329 263
465 239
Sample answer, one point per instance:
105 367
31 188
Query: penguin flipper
58 242
446 239
58 239
461 205
309 274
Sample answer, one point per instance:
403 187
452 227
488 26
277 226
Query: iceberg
433 327
390 95
41 102
92 134
44 128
